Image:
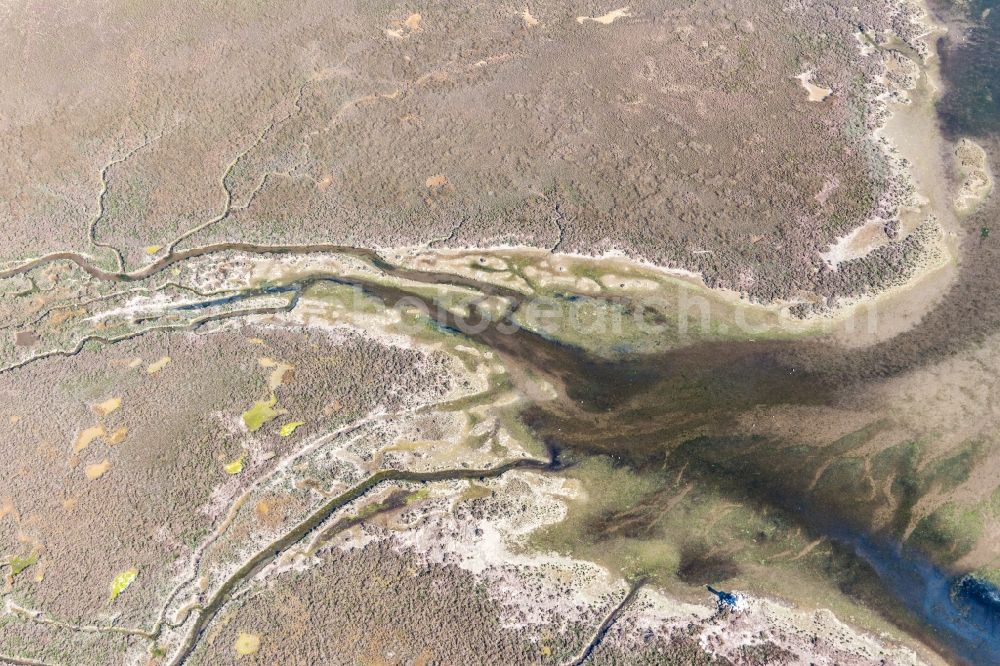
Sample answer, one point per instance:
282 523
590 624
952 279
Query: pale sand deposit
912 137
606 19
816 93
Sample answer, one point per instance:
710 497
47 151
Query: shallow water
679 413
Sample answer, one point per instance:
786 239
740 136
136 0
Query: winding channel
643 410
639 409
272 551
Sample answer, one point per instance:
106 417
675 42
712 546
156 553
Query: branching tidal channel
676 410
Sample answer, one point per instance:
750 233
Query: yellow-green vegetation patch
122 581
948 533
288 428
621 489
989 574
651 524
235 467
108 406
418 495
261 412
474 492
511 421
246 643
157 365
498 383
19 563
638 558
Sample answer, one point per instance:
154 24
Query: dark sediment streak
643 410
647 410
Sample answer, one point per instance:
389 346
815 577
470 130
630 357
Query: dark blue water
238 297
962 613
971 67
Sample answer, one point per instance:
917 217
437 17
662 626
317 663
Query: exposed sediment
975 182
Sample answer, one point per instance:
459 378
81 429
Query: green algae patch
234 467
951 472
948 533
261 412
474 492
417 495
288 428
122 581
19 563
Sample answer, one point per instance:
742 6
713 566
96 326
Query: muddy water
969 63
680 416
